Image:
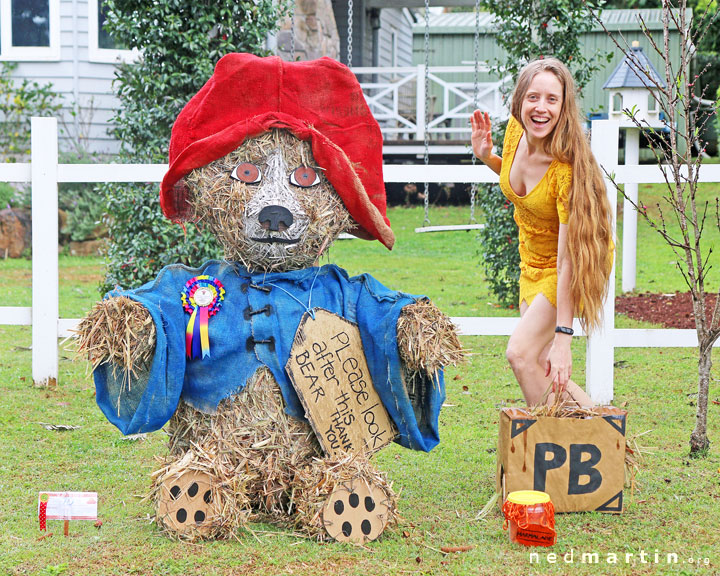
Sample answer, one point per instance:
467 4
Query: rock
15 232
316 32
100 231
87 248
62 219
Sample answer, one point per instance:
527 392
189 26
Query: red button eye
304 177
246 172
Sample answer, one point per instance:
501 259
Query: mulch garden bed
669 310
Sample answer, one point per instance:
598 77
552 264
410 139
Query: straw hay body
121 332
260 463
250 447
265 465
230 208
427 339
316 482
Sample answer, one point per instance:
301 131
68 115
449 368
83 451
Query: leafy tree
632 4
528 29
710 42
180 42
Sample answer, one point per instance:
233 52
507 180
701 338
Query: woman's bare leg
527 352
572 391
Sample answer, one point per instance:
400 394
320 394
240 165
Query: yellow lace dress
538 215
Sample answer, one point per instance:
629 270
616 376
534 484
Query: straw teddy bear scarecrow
277 379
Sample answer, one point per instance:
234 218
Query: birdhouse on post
632 87
633 103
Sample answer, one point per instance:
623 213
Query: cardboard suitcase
579 462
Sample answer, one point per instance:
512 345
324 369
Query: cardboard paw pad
356 512
186 504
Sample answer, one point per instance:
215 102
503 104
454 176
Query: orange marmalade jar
530 518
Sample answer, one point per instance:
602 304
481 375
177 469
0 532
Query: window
652 103
617 102
102 47
29 30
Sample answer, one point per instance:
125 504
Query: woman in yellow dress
564 220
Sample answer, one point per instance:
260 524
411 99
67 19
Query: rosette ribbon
201 298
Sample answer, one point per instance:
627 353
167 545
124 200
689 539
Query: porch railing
396 96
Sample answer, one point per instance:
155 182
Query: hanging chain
476 52
426 199
350 33
476 92
292 33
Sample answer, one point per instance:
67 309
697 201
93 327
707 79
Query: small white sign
69 505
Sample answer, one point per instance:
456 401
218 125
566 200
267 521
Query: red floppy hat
319 101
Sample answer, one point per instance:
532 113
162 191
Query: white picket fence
44 173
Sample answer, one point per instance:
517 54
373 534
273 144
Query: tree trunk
699 443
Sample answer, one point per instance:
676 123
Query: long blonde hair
589 241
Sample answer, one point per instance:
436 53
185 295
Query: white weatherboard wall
44 173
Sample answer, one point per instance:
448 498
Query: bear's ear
180 201
359 232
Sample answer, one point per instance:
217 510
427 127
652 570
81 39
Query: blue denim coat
242 342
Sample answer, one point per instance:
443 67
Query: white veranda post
599 368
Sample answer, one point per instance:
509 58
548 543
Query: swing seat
449 228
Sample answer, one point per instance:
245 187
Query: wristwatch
564 330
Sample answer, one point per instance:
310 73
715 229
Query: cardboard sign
68 505
328 368
579 462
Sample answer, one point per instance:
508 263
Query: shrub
499 237
717 125
500 246
7 195
20 101
180 42
84 208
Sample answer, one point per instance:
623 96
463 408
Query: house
451 43
381 32
62 42
383 53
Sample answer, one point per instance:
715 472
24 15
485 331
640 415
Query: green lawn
674 507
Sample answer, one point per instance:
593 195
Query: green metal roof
455 23
464 22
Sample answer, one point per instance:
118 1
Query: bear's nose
275 218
